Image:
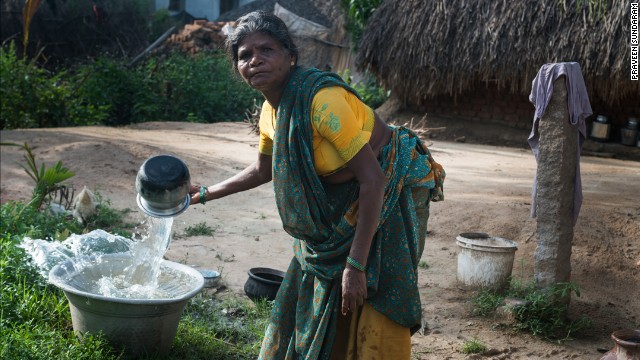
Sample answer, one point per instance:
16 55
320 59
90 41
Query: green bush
544 313
21 219
179 87
32 97
109 92
108 84
358 14
369 90
197 88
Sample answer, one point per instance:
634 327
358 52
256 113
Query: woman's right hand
194 194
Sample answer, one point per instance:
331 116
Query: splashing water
138 280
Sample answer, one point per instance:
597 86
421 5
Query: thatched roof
421 49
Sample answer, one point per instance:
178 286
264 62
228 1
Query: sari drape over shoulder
322 218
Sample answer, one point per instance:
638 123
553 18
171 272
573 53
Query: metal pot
600 131
211 278
628 136
163 184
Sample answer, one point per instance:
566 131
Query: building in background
200 9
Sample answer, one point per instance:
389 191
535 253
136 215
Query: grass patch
474 346
215 328
36 341
199 229
423 264
544 313
35 322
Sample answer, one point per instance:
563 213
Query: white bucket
485 261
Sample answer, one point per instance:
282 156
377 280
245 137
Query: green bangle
203 193
355 264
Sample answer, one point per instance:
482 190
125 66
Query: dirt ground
487 190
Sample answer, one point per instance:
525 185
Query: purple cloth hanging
579 110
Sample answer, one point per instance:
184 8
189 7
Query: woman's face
263 62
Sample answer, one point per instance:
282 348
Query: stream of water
139 280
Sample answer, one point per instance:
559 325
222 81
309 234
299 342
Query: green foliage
108 91
111 220
358 13
199 229
108 84
179 88
35 341
372 94
35 322
486 302
474 346
197 88
31 97
423 264
544 313
221 329
23 220
369 90
47 179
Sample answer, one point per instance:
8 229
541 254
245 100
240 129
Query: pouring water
120 287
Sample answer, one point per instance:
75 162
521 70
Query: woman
354 194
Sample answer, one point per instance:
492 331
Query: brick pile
200 36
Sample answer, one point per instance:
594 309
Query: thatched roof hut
422 50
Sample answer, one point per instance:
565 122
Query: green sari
322 218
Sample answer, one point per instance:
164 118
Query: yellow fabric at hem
368 334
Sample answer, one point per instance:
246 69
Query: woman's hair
259 21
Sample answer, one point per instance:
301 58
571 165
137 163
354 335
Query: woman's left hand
354 289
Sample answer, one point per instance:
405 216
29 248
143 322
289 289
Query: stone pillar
555 189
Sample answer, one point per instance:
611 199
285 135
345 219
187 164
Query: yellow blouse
341 124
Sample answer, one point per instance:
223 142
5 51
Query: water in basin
87 265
